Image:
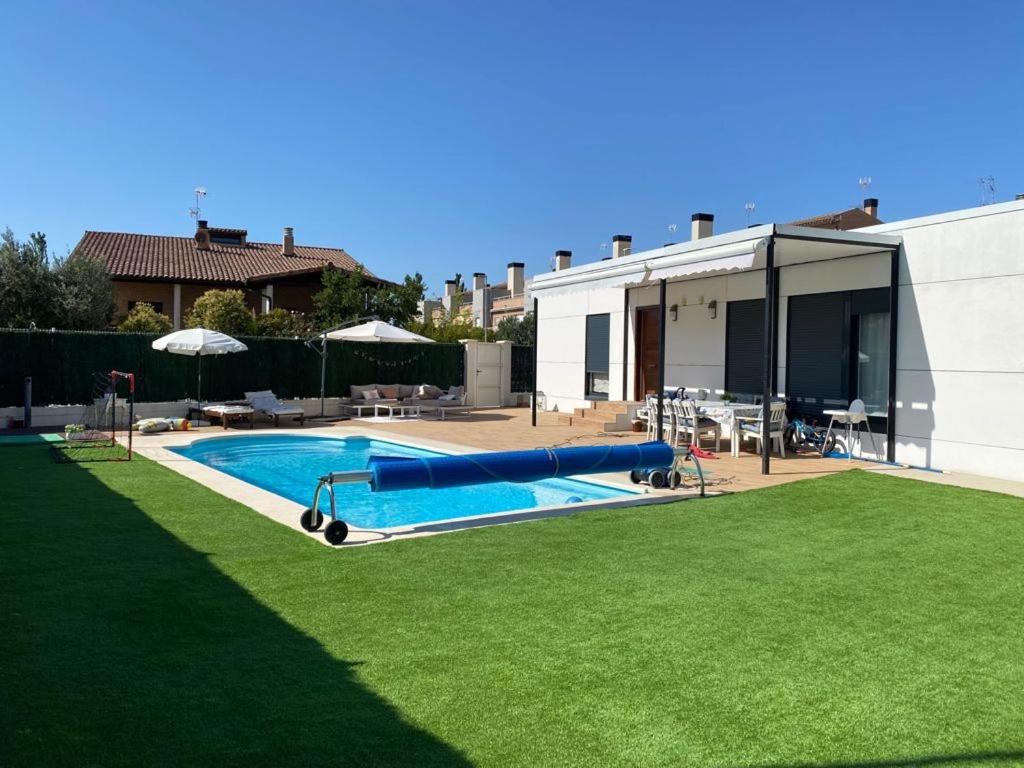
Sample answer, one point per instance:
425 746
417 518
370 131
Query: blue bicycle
799 434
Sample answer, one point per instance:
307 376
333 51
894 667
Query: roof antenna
988 189
865 185
199 192
749 208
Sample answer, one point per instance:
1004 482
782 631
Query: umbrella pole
199 386
323 373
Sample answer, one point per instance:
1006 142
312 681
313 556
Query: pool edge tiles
286 511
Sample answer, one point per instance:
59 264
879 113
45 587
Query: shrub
144 319
282 323
224 311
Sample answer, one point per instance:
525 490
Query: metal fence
522 369
61 364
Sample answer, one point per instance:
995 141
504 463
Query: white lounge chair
265 402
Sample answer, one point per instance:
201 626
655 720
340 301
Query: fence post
28 402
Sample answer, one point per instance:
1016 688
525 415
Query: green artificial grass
855 620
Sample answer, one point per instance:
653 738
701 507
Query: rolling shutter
598 343
744 347
818 371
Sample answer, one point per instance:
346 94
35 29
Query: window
838 350
597 354
226 239
158 306
744 348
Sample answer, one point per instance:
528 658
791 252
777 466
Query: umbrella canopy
198 342
378 330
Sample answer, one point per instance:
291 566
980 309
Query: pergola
767 248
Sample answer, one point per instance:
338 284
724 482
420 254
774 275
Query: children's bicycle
799 434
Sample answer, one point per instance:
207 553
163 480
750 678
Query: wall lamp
674 311
713 309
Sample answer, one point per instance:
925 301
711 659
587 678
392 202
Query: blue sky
447 137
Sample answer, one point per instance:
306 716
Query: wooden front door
648 351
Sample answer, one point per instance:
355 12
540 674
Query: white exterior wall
960 363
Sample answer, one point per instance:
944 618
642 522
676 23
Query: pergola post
536 338
661 360
894 307
768 355
625 340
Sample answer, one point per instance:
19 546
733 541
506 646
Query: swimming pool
289 465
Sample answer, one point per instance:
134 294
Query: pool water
289 465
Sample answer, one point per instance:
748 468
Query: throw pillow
369 395
456 391
389 392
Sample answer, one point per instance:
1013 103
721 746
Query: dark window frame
590 366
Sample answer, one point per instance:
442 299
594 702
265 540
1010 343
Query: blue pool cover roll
399 474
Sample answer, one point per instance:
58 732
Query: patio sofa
426 396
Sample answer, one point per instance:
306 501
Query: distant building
482 305
172 272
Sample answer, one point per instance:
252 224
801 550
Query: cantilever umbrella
377 330
198 342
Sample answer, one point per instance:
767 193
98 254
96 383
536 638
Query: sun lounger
228 413
266 403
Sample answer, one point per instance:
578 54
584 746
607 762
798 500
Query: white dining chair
751 427
690 423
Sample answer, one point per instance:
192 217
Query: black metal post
775 334
768 356
661 361
536 338
625 340
894 307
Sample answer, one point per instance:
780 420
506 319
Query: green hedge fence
62 364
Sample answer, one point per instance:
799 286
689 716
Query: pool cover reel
394 473
389 473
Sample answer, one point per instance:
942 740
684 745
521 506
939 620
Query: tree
445 330
143 318
224 311
349 295
517 330
85 294
28 288
282 323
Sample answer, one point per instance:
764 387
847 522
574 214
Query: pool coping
286 512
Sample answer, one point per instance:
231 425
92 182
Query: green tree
224 311
518 331
85 294
28 288
349 295
282 323
447 330
143 318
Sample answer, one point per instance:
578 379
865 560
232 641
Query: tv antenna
988 189
749 208
672 228
200 193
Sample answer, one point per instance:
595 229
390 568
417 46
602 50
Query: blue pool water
289 466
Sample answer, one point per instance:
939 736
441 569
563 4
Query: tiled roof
853 218
162 257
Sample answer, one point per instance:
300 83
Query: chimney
288 242
701 225
479 281
622 245
202 235
449 288
516 281
871 206
563 260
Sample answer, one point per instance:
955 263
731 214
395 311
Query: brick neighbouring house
172 272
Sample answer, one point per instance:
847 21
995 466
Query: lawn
855 620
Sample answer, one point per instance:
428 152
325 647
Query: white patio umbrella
198 342
378 330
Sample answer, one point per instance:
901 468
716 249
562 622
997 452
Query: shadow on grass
994 757
120 645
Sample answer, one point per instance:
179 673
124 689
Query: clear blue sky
458 136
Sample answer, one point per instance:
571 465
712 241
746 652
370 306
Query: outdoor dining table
728 415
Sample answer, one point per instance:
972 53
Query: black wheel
308 522
677 479
636 477
830 444
657 478
789 436
335 532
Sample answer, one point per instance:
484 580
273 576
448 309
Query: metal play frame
337 529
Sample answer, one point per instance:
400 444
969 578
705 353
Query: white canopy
198 341
378 330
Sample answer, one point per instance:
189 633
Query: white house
694 315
